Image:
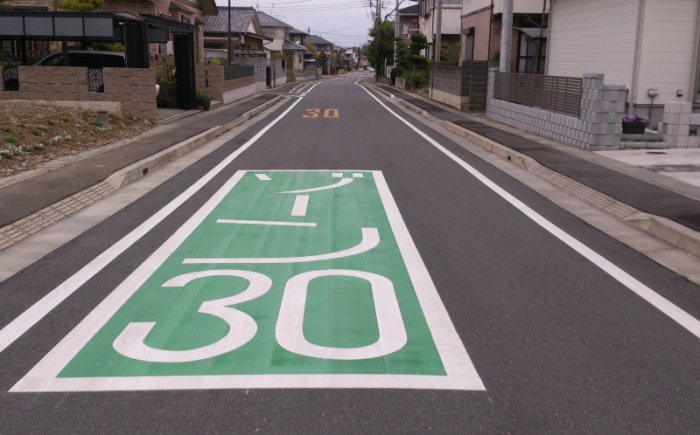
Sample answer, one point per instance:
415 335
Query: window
469 44
526 54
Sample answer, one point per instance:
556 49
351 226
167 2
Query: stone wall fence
128 92
449 85
680 127
598 127
210 80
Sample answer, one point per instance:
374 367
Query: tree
4 6
382 46
80 5
311 47
322 59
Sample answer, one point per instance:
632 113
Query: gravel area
31 135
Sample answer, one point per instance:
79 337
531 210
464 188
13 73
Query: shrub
25 149
43 142
96 123
11 139
40 128
291 78
50 122
219 61
40 146
203 101
14 151
396 71
420 79
5 155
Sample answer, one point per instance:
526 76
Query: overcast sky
343 22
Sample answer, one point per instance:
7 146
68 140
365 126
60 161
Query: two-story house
408 23
279 31
321 44
450 23
246 33
481 32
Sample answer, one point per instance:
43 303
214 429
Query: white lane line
358 175
662 304
340 183
36 312
300 205
370 239
242 222
337 175
262 177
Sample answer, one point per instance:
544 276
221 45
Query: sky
343 22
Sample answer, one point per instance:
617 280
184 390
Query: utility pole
229 50
379 11
438 31
396 29
506 36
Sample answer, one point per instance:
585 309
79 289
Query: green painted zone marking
345 327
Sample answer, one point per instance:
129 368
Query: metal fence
468 80
234 72
558 94
96 80
11 78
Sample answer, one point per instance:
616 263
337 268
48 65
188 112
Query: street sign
283 279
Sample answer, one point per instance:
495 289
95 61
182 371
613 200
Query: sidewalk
648 194
31 195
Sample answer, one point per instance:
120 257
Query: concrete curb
137 170
660 227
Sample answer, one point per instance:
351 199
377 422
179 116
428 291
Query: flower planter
636 128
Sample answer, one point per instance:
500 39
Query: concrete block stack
681 127
599 126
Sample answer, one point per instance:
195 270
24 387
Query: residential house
650 46
408 23
450 24
279 32
247 35
481 24
321 44
188 11
299 37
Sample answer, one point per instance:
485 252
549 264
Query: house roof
409 10
289 45
317 40
297 32
240 20
270 21
175 6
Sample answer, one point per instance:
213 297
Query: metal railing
96 80
11 78
558 94
234 72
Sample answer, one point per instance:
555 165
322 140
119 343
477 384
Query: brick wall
210 81
133 88
681 127
598 128
449 79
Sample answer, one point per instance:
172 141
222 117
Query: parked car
90 59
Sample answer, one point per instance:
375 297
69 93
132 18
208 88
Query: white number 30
289 329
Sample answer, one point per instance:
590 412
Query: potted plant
634 124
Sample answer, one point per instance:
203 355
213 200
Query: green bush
203 101
396 71
11 139
96 123
420 79
291 78
219 61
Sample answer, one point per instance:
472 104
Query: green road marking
339 313
283 279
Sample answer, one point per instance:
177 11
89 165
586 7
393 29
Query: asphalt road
559 344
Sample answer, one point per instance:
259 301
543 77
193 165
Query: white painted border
461 374
690 323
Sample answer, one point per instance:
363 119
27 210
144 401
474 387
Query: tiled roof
317 40
289 45
270 21
409 10
240 18
297 32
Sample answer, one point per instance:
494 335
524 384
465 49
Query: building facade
481 23
650 46
450 27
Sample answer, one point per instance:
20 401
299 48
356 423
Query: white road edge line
290 224
662 304
16 328
262 177
300 205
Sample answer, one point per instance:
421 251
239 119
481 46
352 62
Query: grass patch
11 139
50 122
44 129
97 124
